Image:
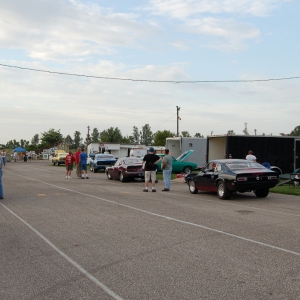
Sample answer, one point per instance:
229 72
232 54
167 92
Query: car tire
122 178
222 191
108 176
192 187
91 168
187 170
94 170
261 193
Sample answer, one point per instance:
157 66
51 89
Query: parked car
59 158
179 165
101 161
226 176
126 168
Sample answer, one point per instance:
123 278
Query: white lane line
72 262
207 200
170 218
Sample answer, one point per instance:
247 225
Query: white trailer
178 145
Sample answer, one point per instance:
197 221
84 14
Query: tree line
145 136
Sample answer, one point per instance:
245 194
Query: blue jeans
167 178
4 160
1 187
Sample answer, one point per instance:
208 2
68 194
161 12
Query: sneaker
82 177
87 178
165 190
145 190
153 190
66 177
70 177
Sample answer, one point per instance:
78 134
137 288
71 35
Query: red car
126 168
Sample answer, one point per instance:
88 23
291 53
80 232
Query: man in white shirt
250 156
3 155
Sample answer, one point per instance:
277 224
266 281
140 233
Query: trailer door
297 154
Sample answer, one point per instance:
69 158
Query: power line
150 80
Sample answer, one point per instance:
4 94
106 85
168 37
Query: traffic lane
168 231
233 219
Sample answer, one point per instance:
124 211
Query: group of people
150 161
80 159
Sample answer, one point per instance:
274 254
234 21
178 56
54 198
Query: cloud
232 32
66 30
182 9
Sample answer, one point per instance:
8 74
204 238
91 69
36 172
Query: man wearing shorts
83 164
150 160
69 160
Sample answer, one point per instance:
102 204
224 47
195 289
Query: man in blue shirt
1 172
83 164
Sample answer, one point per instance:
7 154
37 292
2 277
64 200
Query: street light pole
178 118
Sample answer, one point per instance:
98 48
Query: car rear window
130 161
244 165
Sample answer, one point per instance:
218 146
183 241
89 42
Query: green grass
286 189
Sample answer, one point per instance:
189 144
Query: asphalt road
102 239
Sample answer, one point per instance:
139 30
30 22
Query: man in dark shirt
150 160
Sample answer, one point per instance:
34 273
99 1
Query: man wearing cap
150 160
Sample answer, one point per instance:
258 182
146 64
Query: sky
139 60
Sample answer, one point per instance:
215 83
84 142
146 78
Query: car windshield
244 165
104 156
130 161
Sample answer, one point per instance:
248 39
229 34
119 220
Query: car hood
184 155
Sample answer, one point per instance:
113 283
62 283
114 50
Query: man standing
150 161
69 160
250 156
167 170
83 164
3 155
1 172
77 161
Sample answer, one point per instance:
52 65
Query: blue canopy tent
19 149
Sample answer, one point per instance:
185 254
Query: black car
226 176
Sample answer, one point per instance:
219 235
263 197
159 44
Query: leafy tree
185 134
111 135
199 135
35 140
68 140
77 141
146 135
135 137
159 138
126 140
231 132
24 143
12 144
95 136
296 131
51 138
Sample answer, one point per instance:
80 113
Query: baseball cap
151 149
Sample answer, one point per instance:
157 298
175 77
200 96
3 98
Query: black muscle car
226 176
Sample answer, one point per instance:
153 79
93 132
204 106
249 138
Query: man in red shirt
70 159
77 160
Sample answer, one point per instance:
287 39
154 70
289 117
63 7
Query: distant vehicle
59 158
226 176
126 168
138 152
101 161
179 164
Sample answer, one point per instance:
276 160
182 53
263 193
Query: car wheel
262 193
122 178
187 170
108 176
192 187
94 170
222 191
91 168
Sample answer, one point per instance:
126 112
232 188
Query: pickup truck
59 159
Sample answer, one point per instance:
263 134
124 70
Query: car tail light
272 177
242 179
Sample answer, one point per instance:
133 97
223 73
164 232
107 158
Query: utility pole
88 136
178 118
